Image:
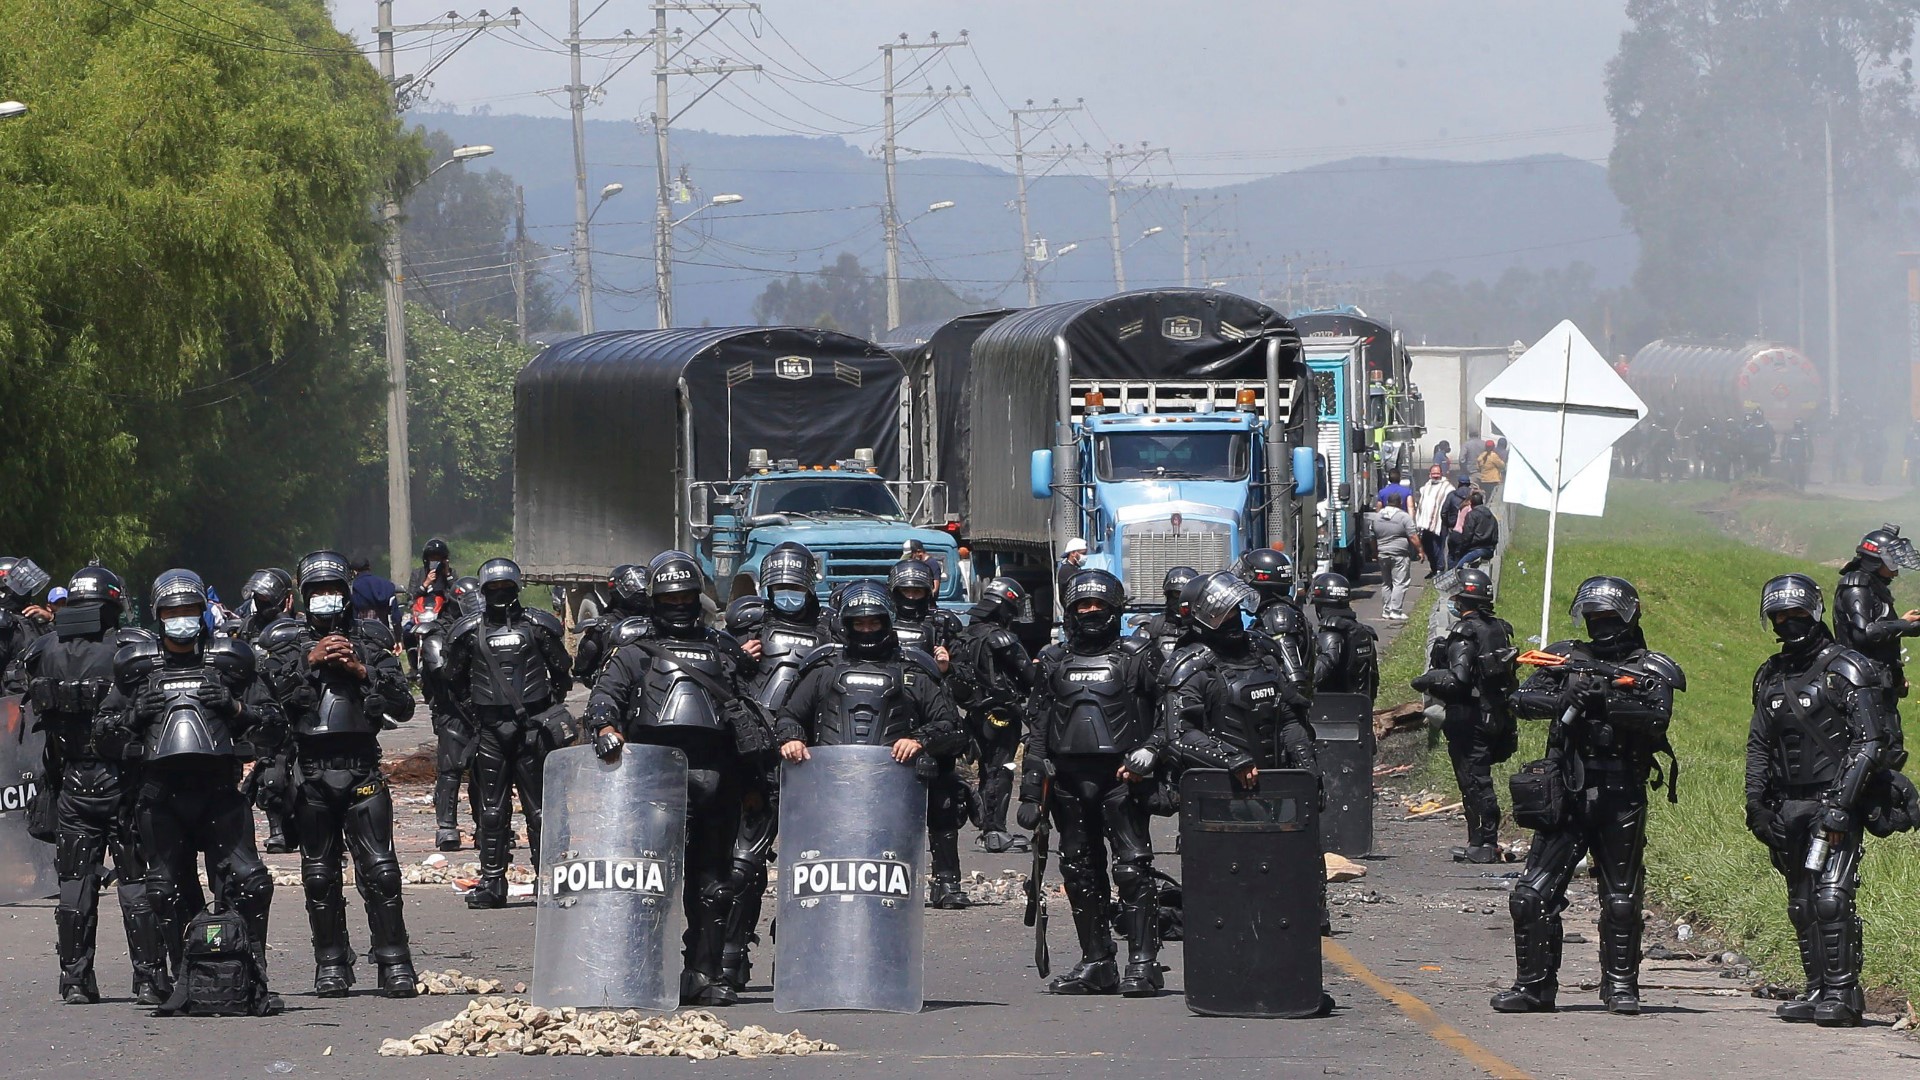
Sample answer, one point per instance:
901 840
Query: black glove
150 703
1028 816
608 743
1032 781
217 699
1424 683
1763 822
1836 820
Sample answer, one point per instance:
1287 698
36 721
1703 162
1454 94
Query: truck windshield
1205 455
826 495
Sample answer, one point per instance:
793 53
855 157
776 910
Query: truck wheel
586 610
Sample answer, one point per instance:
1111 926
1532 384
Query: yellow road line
1421 1013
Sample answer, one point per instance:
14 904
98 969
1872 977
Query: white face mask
182 627
327 605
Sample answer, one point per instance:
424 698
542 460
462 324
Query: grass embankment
1699 589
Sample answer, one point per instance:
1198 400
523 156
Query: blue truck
723 442
1165 427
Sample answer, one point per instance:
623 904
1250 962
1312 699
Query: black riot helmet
321 568
746 615
912 574
101 586
627 584
1171 585
675 582
1610 608
1476 591
500 583
1002 600
466 593
268 588
1269 572
863 600
1214 602
1885 547
1101 626
786 581
178 588
1331 590
1792 593
435 551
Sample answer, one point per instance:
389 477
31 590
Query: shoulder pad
131 635
133 662
33 650
234 658
463 627
1054 652
1131 645
919 658
1659 663
281 632
377 633
1001 638
1188 662
1854 668
630 629
1856 579
547 621
820 655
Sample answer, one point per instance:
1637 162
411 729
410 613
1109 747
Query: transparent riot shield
613 837
853 834
1343 741
26 864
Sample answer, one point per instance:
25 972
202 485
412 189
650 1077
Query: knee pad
491 818
1131 880
1526 904
381 881
742 875
1622 909
1077 866
253 887
1831 904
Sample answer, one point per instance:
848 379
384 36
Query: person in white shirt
1429 504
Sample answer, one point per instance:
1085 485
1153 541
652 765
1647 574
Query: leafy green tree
181 217
847 298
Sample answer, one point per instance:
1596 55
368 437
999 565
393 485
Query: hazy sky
1236 88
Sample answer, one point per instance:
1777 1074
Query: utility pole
1187 233
1027 268
1139 157
577 91
890 214
399 466
663 119
1833 286
520 261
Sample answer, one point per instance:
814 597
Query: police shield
612 843
1251 882
1343 741
853 833
26 864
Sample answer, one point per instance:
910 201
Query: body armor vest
1356 673
185 727
865 703
517 662
671 698
1806 717
924 636
1250 711
67 681
341 709
1095 707
1163 635
1877 604
784 648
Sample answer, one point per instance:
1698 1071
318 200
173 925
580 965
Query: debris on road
454 981
1383 771
1408 717
987 890
490 1026
1430 808
1340 868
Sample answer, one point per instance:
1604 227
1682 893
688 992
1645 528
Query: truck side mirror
1040 474
698 514
1305 471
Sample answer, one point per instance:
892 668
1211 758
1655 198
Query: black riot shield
853 836
613 838
1343 741
26 864
1251 880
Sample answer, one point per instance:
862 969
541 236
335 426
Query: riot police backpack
219 974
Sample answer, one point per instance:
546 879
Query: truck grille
1152 549
854 563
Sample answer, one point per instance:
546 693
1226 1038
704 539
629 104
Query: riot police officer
624 620
1269 572
266 598
452 729
679 689
1817 739
67 676
181 703
338 682
992 677
951 801
744 617
1611 700
1470 671
508 664
787 634
1345 659
1227 701
1168 626
21 618
1087 762
1866 620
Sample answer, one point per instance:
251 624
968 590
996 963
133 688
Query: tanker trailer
1716 381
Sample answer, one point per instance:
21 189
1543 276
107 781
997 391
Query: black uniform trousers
507 755
1093 812
94 816
188 806
996 738
342 805
1471 751
1608 820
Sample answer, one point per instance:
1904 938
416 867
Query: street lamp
1148 232
606 193
11 109
887 218
663 256
717 200
399 468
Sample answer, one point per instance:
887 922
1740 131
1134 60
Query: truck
1163 426
723 442
1371 418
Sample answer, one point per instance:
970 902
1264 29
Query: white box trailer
1449 377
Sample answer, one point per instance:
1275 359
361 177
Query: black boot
1620 965
943 883
277 841
391 954
703 982
1096 973
1536 949
1139 921
491 892
332 954
743 920
75 927
144 945
1801 1009
1841 1001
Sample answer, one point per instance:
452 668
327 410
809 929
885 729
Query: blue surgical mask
182 627
327 605
789 601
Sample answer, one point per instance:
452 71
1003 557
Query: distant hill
809 198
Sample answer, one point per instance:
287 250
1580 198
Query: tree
1721 114
456 236
181 218
845 297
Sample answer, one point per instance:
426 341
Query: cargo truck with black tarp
722 442
1165 426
